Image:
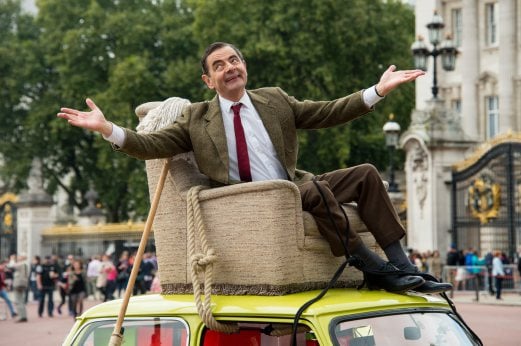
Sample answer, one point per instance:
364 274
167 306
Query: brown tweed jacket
200 128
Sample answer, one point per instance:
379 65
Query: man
46 276
18 264
248 135
93 269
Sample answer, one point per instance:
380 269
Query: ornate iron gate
486 199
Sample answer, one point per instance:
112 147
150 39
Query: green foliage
124 53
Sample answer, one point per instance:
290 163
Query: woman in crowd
77 287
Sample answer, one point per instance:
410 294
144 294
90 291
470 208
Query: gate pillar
34 214
433 142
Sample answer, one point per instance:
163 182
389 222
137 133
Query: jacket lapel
272 122
215 129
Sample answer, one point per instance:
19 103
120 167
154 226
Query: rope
202 263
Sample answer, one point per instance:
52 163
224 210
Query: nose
229 66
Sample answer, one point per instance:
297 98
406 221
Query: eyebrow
228 58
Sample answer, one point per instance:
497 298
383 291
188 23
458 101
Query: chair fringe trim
261 290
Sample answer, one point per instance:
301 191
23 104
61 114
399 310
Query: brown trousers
361 184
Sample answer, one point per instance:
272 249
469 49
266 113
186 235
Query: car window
429 328
260 334
142 332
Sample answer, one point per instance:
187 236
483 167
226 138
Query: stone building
461 148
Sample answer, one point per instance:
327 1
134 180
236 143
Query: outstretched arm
93 120
391 79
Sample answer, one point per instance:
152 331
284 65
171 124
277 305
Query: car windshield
427 328
136 332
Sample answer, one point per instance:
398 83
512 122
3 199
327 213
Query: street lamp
392 132
446 49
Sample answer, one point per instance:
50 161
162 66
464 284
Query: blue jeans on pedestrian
5 296
34 290
50 302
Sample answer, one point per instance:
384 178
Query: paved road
497 323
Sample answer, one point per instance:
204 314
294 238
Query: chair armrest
272 208
258 187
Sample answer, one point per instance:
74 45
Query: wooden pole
117 335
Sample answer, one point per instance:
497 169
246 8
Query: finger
91 104
391 68
63 116
70 111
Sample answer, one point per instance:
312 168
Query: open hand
391 79
93 120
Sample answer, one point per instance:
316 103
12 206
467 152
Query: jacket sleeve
169 141
321 114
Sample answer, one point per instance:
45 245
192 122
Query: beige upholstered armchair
262 241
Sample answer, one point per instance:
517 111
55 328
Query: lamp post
392 132
446 49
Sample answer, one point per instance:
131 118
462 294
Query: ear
208 81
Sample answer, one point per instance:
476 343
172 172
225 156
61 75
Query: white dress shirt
264 163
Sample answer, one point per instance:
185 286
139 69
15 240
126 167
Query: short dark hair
212 48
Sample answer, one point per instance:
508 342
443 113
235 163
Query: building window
491 13
456 106
492 107
456 26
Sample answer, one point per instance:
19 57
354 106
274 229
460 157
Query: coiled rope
202 263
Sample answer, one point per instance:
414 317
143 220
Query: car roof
346 301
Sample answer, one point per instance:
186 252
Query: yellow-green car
341 317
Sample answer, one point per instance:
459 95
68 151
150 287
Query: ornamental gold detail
484 199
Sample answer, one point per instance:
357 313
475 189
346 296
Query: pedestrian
93 269
488 263
33 287
46 277
123 267
498 271
4 294
20 268
107 278
519 261
112 276
77 280
148 269
224 151
63 289
435 264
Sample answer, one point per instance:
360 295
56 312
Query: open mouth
231 79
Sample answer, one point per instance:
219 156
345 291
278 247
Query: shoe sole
433 291
402 289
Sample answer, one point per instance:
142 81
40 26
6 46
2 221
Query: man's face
227 73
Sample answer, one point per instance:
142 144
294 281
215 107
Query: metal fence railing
479 278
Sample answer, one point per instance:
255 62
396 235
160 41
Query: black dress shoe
391 279
433 287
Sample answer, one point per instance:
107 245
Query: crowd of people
71 280
105 277
467 268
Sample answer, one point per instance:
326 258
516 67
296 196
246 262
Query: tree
113 52
20 80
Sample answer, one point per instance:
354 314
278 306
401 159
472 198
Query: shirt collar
227 104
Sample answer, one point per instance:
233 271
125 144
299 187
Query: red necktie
243 160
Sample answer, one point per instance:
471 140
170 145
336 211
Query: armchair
262 240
